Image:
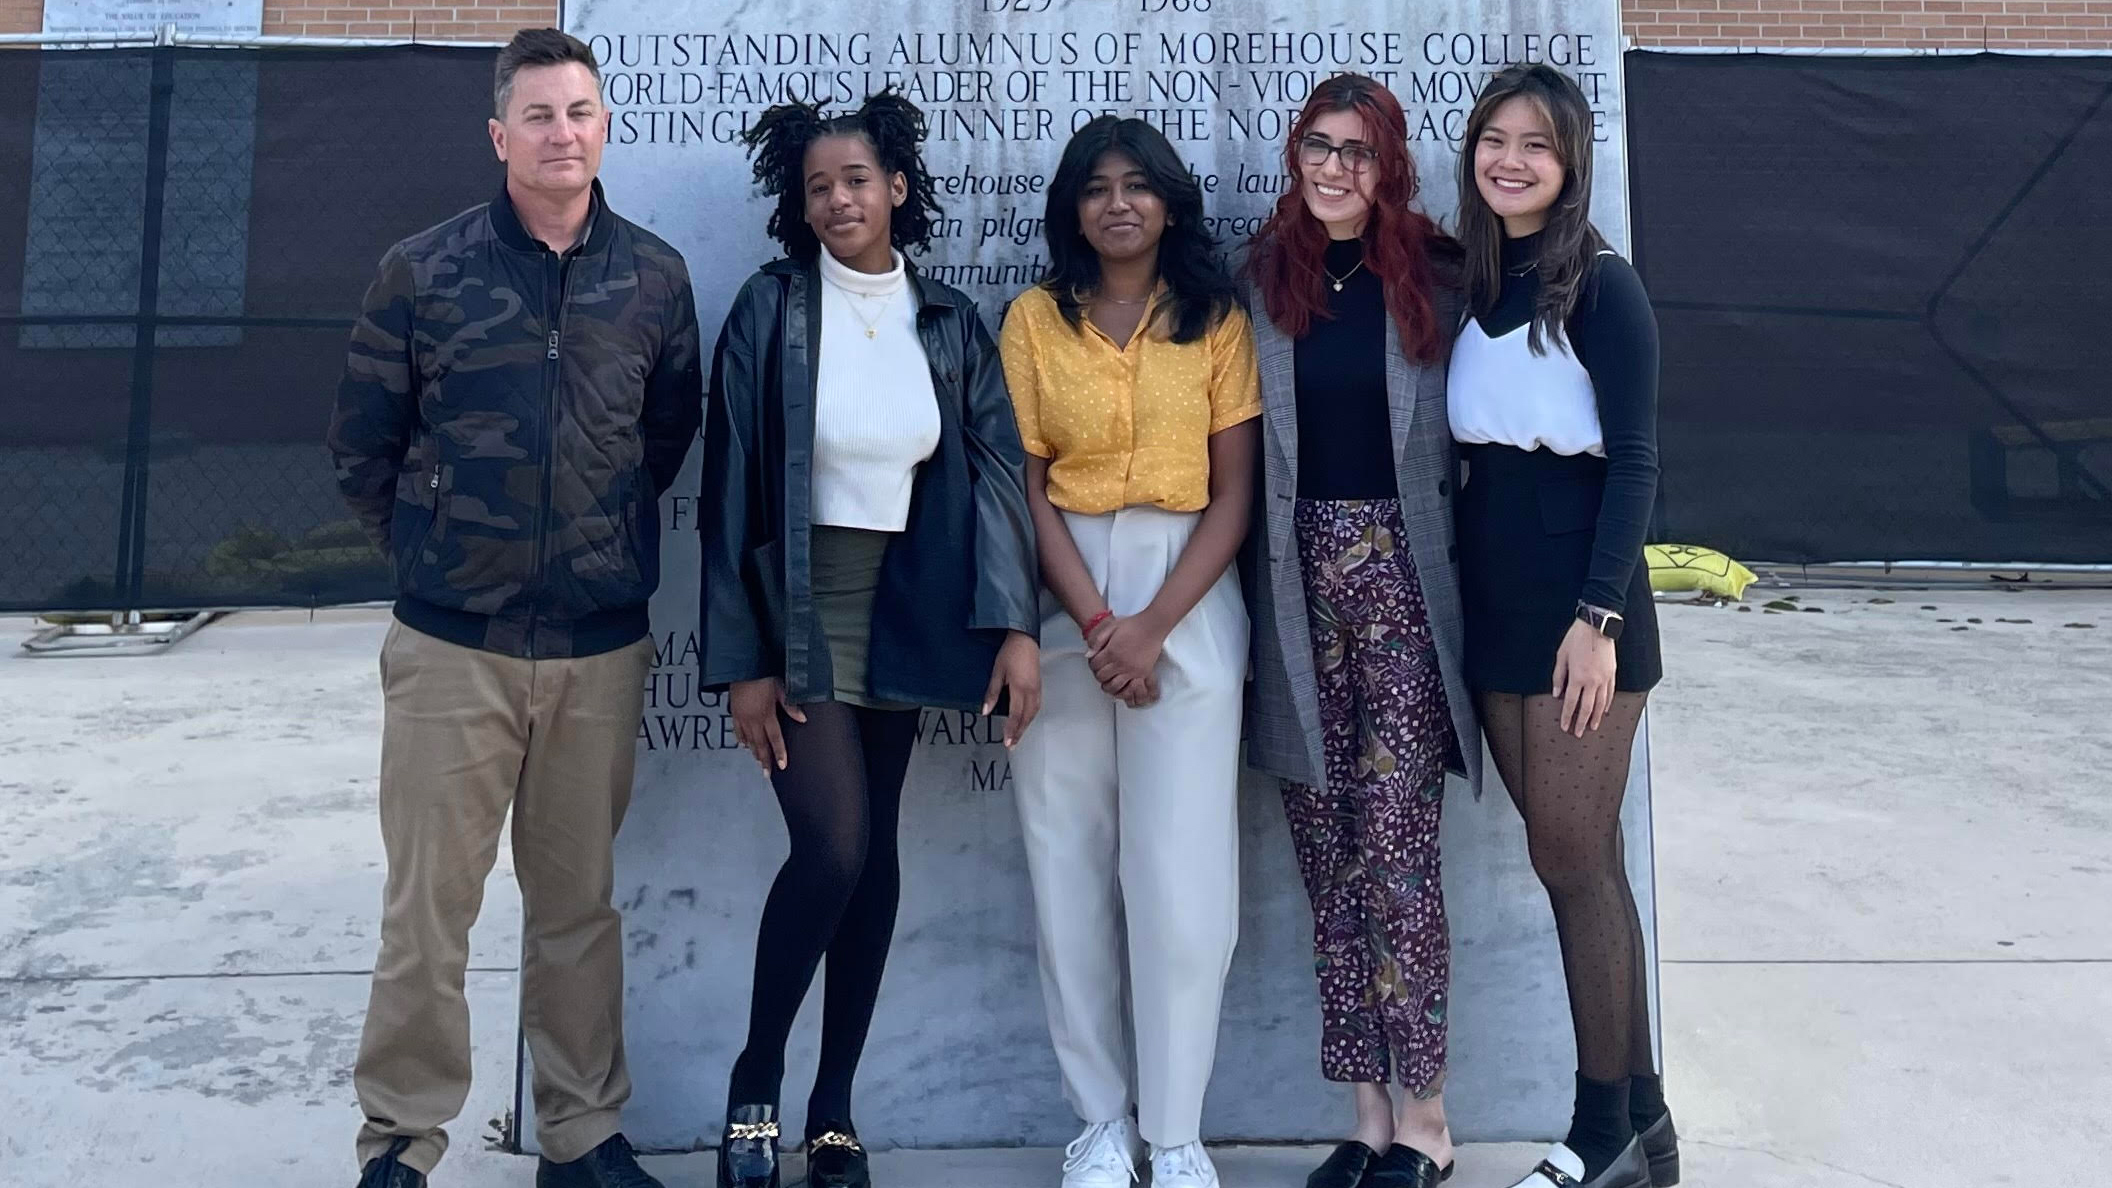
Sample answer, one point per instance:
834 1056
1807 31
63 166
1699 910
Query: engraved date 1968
1035 6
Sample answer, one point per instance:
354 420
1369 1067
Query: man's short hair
537 47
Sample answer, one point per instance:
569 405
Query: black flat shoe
748 1149
1405 1167
1661 1147
835 1159
1344 1168
613 1164
383 1171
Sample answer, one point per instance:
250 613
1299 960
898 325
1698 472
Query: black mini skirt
1526 523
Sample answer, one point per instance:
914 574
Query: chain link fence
1880 284
185 234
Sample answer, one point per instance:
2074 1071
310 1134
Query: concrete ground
1884 860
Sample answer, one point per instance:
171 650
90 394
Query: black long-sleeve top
1613 333
1345 429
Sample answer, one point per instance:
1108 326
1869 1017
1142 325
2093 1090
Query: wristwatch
1598 618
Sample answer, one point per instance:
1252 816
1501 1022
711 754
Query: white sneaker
1182 1167
1105 1156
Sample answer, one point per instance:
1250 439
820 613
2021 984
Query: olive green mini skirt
844 575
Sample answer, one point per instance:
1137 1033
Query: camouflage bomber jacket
508 420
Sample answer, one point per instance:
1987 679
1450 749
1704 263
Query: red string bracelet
1095 621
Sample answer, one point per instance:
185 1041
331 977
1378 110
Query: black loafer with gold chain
836 1159
748 1150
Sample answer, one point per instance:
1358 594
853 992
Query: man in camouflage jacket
510 415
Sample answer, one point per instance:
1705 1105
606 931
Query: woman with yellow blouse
1132 374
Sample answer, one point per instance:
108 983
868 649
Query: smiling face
553 131
1517 169
1338 172
851 201
1119 212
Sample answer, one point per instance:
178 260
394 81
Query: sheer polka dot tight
1569 792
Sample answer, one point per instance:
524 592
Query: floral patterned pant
1367 842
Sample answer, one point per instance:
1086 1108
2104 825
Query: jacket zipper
552 373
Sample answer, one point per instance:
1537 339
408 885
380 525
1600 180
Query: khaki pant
465 734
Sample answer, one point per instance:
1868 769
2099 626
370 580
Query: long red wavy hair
1400 241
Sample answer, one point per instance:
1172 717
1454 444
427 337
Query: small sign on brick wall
101 18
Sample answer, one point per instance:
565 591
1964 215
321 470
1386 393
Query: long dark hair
1188 258
1400 241
891 124
1569 243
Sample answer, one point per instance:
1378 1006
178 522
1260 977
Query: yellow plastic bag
1675 568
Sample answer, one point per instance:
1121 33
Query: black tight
1569 792
841 792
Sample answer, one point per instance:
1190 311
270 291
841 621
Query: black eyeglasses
1313 152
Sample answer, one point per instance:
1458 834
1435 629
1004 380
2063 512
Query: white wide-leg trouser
1131 816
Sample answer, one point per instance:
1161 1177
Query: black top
1345 434
1613 333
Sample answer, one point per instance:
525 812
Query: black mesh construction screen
1885 287
184 238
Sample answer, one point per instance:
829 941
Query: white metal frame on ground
132 633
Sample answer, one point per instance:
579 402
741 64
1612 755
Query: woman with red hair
1359 695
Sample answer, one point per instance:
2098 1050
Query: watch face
1610 626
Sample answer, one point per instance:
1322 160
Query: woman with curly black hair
1132 372
868 551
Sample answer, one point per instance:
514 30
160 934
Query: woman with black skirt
867 552
1552 395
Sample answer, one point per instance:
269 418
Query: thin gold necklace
1121 300
872 324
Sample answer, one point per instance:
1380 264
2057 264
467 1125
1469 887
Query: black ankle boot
613 1164
383 1171
748 1149
836 1159
1661 1147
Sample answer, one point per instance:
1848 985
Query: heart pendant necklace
1339 281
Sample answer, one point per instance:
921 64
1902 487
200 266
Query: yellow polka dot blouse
1125 427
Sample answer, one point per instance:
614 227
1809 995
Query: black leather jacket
961 574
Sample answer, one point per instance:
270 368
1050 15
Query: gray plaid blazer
1283 712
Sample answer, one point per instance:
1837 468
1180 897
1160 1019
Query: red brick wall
21 16
1945 24
494 20
403 18
1919 24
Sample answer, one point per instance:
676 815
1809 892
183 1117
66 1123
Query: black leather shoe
383 1171
611 1165
836 1159
1661 1147
1344 1168
1563 1169
748 1149
1405 1167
